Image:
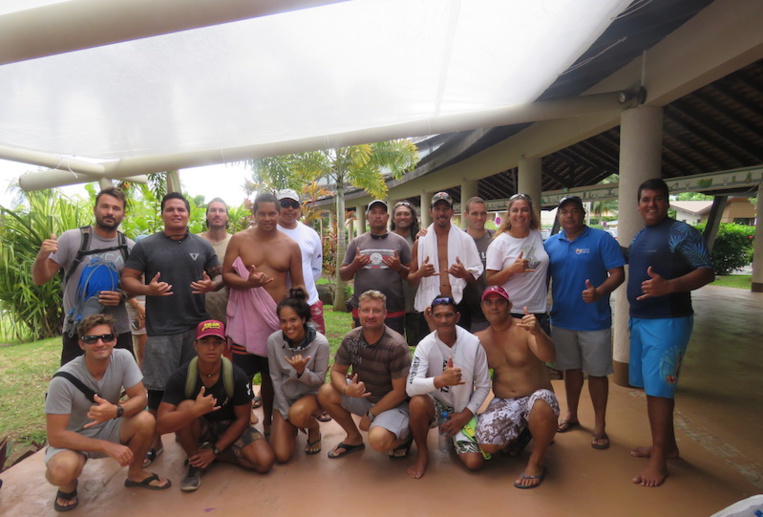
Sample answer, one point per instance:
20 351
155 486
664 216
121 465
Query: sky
224 181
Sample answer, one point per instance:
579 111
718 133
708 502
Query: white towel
461 245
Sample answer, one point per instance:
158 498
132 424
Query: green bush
733 247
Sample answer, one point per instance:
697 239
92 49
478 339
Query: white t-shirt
312 256
525 289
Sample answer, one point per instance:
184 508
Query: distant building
738 210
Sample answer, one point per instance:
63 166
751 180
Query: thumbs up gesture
655 286
590 294
49 245
451 376
529 322
393 262
355 388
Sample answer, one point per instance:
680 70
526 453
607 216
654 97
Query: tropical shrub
733 247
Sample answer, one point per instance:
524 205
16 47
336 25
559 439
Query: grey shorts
589 350
394 420
109 432
212 431
165 354
504 419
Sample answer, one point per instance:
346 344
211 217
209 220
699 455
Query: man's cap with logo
377 202
287 193
210 328
442 196
496 289
572 199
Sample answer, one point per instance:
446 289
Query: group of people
469 301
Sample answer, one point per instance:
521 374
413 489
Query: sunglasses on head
91 340
443 300
289 203
520 195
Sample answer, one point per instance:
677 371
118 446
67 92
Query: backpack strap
87 392
193 375
84 244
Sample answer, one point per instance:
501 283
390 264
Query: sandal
401 451
323 417
311 448
66 496
600 441
257 402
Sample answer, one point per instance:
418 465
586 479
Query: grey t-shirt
376 274
68 245
64 398
180 262
473 292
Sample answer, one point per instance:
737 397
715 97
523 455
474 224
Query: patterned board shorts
465 440
504 419
212 431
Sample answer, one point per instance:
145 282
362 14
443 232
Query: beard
110 226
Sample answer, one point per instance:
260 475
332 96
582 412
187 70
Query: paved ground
719 428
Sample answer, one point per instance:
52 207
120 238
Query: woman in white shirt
517 260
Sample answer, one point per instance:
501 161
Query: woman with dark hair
298 357
405 222
517 261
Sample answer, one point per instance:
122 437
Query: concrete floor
719 425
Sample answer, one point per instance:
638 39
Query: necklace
209 375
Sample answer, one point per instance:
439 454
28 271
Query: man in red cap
517 350
207 403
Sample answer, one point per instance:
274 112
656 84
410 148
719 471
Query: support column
640 160
426 200
757 261
173 182
468 191
105 183
360 220
530 180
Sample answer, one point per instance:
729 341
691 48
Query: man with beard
217 235
74 251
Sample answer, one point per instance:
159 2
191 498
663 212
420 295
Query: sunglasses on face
289 203
91 340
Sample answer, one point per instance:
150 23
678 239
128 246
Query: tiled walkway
720 424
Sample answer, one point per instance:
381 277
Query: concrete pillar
468 191
173 182
530 172
105 183
426 200
640 160
757 261
360 220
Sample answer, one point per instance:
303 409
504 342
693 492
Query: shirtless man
257 262
432 270
517 351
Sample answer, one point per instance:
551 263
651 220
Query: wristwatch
120 411
215 450
370 416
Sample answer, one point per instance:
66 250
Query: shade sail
289 77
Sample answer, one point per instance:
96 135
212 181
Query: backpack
193 375
98 275
89 394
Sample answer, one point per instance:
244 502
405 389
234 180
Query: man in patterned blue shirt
668 260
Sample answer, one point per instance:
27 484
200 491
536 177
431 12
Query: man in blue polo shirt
585 265
668 259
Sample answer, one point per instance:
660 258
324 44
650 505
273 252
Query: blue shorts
657 351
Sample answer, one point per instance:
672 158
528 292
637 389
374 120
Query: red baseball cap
496 289
210 328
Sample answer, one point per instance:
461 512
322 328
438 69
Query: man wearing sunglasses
87 420
517 350
448 382
311 246
379 259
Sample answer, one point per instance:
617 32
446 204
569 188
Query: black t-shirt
174 392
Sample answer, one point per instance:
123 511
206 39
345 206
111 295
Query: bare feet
646 452
419 467
652 475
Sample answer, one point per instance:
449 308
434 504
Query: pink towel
251 315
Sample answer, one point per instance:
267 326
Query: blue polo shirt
571 263
673 249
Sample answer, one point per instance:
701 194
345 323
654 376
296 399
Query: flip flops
539 477
600 441
401 451
348 449
146 483
66 496
151 456
310 447
323 417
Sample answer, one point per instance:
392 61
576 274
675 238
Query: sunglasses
91 340
520 195
443 300
289 203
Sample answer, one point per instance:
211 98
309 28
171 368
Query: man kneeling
517 350
207 404
84 424
448 383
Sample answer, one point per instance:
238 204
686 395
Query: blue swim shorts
657 351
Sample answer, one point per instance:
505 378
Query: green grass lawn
26 369
737 281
